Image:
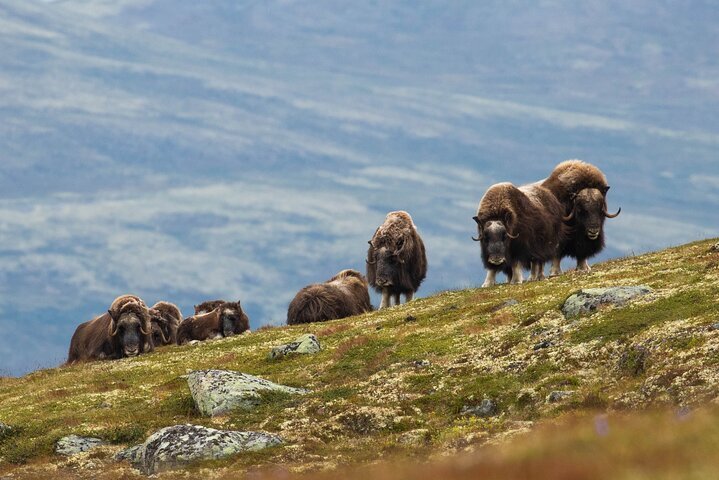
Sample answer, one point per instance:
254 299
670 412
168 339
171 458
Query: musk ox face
127 331
388 263
230 318
589 212
495 242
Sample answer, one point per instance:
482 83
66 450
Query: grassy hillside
393 383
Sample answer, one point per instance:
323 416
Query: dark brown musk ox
344 295
124 331
225 320
396 259
582 189
165 318
207 306
518 228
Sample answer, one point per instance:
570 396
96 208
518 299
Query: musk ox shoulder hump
348 273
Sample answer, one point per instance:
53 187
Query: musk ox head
130 329
589 211
496 236
232 319
163 331
388 261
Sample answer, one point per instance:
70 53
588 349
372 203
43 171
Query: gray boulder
558 396
72 445
589 300
174 447
217 392
307 343
488 408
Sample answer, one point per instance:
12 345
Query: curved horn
512 236
162 334
113 327
479 237
371 263
569 217
148 332
609 215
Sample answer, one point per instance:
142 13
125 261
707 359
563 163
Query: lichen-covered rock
558 396
589 299
217 392
73 444
488 408
307 343
176 446
420 436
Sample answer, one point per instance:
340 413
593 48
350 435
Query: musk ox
582 189
518 227
396 259
165 318
208 306
341 296
124 331
225 320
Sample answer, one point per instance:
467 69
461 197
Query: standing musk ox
225 320
396 259
582 189
165 318
124 331
343 295
518 227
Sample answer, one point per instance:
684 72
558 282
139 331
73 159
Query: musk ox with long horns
582 190
124 331
344 295
396 259
518 228
224 320
165 318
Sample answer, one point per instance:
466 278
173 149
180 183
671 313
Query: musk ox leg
397 299
556 267
491 279
408 297
517 275
537 272
583 266
385 299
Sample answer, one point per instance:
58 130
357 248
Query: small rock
421 363
714 248
714 326
72 445
488 408
105 405
414 437
5 430
633 360
558 396
217 392
176 446
509 303
543 344
306 344
589 299
378 327
410 318
527 396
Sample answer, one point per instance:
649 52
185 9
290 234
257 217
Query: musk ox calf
518 228
124 331
344 295
165 318
396 259
225 320
582 189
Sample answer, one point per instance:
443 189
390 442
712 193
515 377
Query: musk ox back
396 258
582 190
517 227
165 318
225 320
124 331
208 306
344 295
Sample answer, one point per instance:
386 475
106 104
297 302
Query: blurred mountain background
187 150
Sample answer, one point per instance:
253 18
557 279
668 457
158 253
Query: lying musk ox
341 296
582 190
518 227
165 318
396 259
124 331
225 320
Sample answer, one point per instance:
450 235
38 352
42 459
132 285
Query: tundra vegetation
624 392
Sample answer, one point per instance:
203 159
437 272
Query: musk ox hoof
307 343
217 392
589 300
176 446
72 445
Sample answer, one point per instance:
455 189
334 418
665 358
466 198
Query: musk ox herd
519 228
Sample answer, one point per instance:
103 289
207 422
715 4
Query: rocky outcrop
305 344
179 445
73 444
217 392
589 300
